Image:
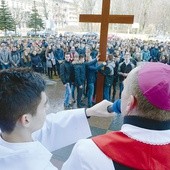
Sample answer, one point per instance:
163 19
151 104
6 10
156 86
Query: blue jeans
106 92
58 67
44 67
90 93
79 95
73 91
121 86
5 66
114 90
67 95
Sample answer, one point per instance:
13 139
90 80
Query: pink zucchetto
154 83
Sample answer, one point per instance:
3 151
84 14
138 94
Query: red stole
132 153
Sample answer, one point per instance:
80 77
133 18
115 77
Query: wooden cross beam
105 18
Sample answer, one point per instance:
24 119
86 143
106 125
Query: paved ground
55 92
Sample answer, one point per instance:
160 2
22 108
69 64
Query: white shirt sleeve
63 128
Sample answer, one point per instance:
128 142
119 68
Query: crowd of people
75 60
28 135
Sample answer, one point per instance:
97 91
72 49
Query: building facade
56 14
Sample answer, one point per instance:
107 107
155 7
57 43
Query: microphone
115 107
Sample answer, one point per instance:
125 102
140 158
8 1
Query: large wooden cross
105 19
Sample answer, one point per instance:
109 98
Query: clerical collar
147 123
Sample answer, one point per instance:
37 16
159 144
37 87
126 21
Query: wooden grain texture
105 18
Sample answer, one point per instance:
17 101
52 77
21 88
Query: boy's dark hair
20 93
67 53
115 55
110 57
81 56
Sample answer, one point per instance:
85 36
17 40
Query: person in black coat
91 75
36 62
124 68
65 75
80 77
108 73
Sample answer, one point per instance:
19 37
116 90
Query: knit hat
154 83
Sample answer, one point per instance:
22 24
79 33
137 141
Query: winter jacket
15 58
65 72
125 68
91 72
59 54
108 73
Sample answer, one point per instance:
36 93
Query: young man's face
14 48
88 58
127 56
82 60
38 119
76 58
67 57
72 49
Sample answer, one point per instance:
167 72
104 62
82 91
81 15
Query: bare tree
145 11
45 9
86 7
151 15
18 15
162 21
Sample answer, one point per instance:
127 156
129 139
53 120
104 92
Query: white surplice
59 130
87 156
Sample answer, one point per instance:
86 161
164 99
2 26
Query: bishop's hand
100 109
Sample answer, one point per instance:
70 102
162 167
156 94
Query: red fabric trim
132 153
